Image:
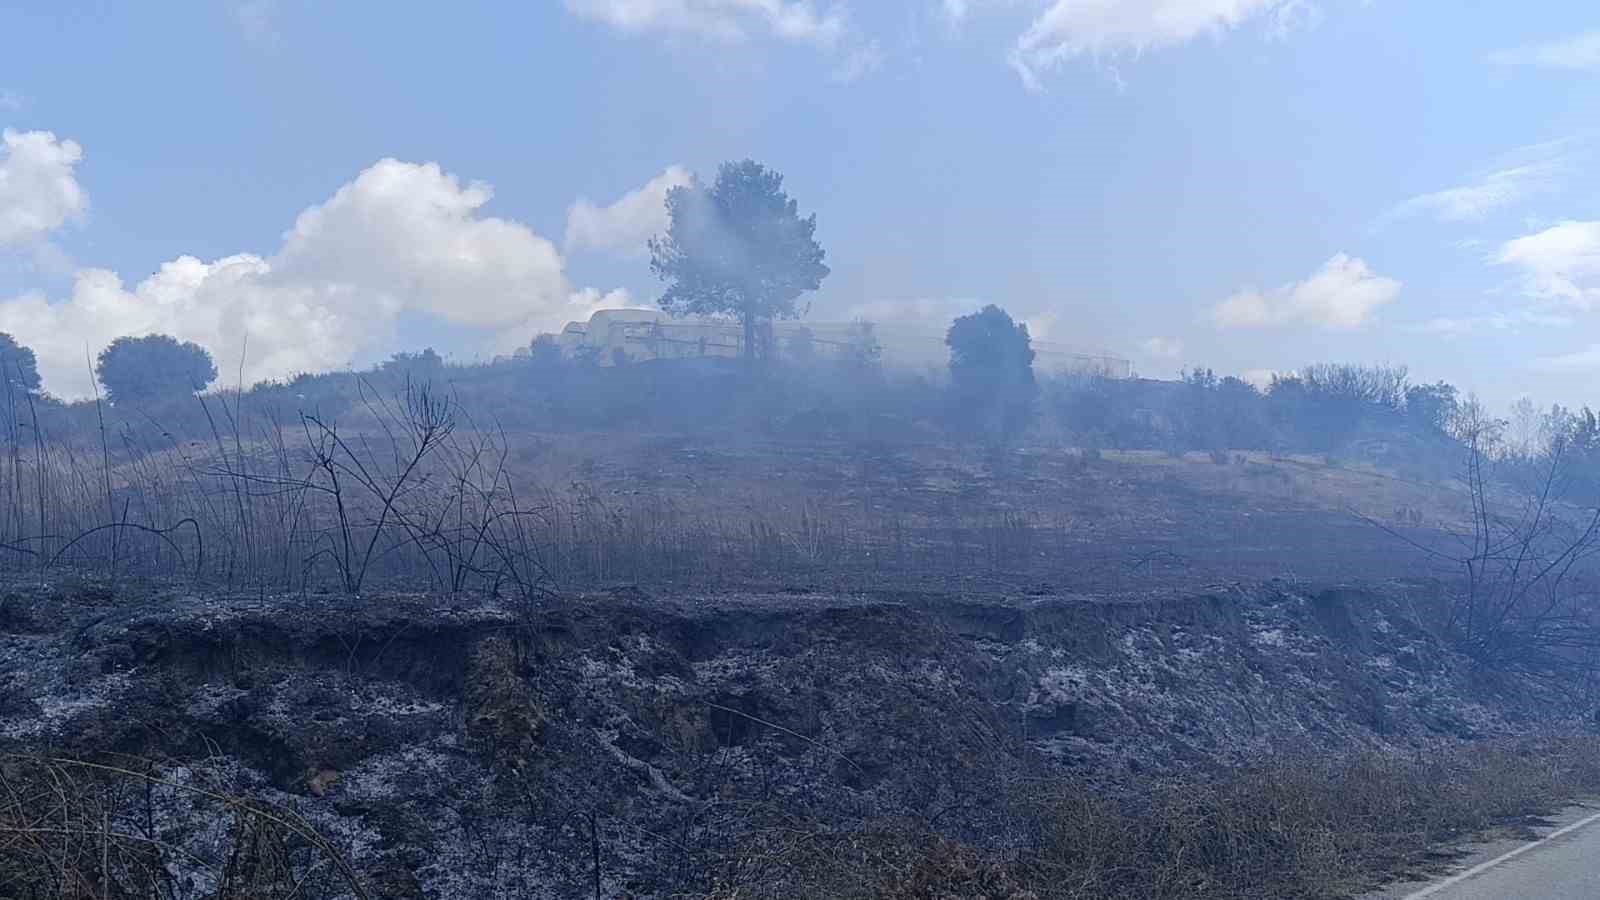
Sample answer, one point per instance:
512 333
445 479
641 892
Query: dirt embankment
624 742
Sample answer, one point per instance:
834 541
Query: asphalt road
1562 864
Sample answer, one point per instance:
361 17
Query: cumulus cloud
1560 263
1162 347
723 20
412 233
400 238
1245 309
1579 52
39 190
1069 29
624 226
1342 294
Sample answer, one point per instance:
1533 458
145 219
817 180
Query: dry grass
1293 827
407 490
78 830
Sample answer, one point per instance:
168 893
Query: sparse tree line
990 394
154 368
1322 408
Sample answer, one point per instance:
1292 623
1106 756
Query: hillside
644 739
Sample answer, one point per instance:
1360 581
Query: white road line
1480 868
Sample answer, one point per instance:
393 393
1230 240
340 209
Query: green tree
19 368
739 248
992 388
153 368
1431 407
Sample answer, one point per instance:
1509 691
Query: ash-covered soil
472 749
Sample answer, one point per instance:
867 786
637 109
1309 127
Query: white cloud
1473 201
413 232
1342 294
1579 51
1245 309
737 21
1521 173
1162 347
624 226
400 238
1587 359
39 190
1072 28
955 11
11 100
723 20
1448 326
1560 263
1261 378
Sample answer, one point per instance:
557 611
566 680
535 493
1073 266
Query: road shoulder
1463 857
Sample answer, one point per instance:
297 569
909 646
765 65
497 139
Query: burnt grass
856 671
1254 740
848 515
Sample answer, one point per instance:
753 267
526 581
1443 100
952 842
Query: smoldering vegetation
428 476
422 477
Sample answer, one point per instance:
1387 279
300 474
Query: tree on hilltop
739 248
153 368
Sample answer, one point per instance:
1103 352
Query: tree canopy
739 248
153 368
19 368
991 373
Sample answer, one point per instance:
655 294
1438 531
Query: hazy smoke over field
399 238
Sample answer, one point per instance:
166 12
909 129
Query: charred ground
650 740
415 654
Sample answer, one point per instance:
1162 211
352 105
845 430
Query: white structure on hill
632 335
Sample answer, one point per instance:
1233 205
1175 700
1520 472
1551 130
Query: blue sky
1251 185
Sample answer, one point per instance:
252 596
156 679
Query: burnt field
417 657
417 499
1264 741
1034 518
498 483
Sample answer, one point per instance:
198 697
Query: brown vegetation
78 830
1299 826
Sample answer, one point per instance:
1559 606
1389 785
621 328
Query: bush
18 366
992 389
153 368
1293 826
